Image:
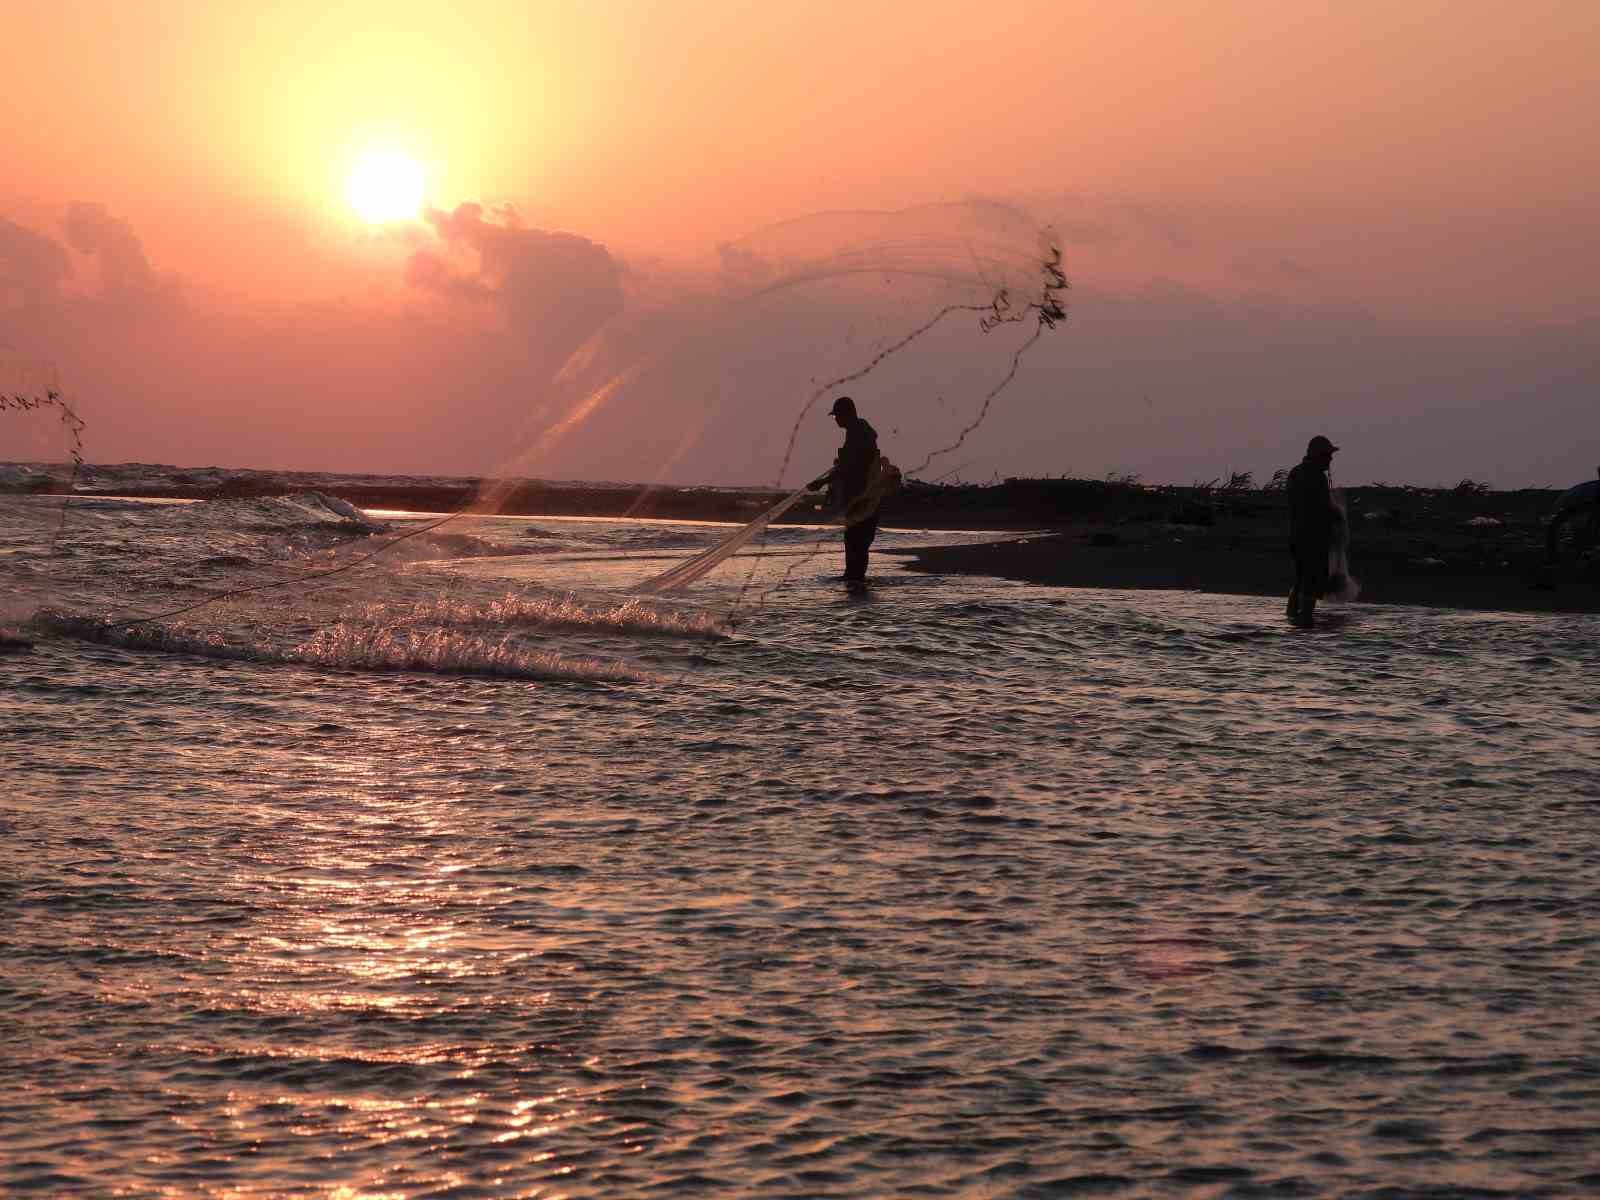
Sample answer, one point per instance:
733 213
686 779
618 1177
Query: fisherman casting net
707 374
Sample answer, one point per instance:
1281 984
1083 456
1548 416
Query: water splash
443 651
348 645
555 610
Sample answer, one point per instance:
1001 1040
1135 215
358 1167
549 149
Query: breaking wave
277 513
350 645
442 651
632 615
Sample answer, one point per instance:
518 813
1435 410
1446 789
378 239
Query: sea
358 855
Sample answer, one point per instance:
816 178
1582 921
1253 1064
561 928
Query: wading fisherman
1578 507
1312 517
847 483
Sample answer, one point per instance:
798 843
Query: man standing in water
852 468
1579 508
1312 518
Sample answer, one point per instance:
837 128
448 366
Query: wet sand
1224 565
1407 546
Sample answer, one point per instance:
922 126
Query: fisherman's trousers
857 538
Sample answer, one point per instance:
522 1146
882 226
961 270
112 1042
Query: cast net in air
1023 290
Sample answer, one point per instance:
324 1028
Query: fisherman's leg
1308 608
855 555
1303 599
857 538
1297 591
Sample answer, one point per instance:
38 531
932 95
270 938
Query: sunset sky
1369 219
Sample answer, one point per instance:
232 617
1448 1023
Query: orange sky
1424 167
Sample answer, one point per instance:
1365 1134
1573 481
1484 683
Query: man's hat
1320 443
843 404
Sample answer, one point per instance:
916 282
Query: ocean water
461 873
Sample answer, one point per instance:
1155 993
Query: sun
385 185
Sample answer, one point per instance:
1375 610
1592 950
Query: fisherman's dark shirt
853 463
1583 494
1310 506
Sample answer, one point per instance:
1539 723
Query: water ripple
971 890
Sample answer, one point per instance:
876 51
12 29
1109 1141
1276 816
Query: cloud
124 269
31 264
507 337
556 288
741 268
1279 271
430 271
1158 224
1087 233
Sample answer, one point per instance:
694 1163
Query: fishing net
985 263
676 579
43 433
1343 587
709 375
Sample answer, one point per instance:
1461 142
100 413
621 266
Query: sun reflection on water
952 908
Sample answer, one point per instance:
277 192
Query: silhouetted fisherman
852 468
1312 516
1579 507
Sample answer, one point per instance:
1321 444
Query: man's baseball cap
1320 443
843 404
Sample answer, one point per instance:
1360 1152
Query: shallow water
965 888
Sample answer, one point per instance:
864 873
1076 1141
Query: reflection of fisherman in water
1312 517
847 481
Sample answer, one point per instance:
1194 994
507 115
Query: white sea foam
388 648
555 610
349 645
303 508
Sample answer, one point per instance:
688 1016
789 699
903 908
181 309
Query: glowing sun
385 186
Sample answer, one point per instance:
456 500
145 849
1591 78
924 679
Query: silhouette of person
1579 507
847 480
1312 517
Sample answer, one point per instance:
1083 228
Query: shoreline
1465 547
533 498
1072 560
